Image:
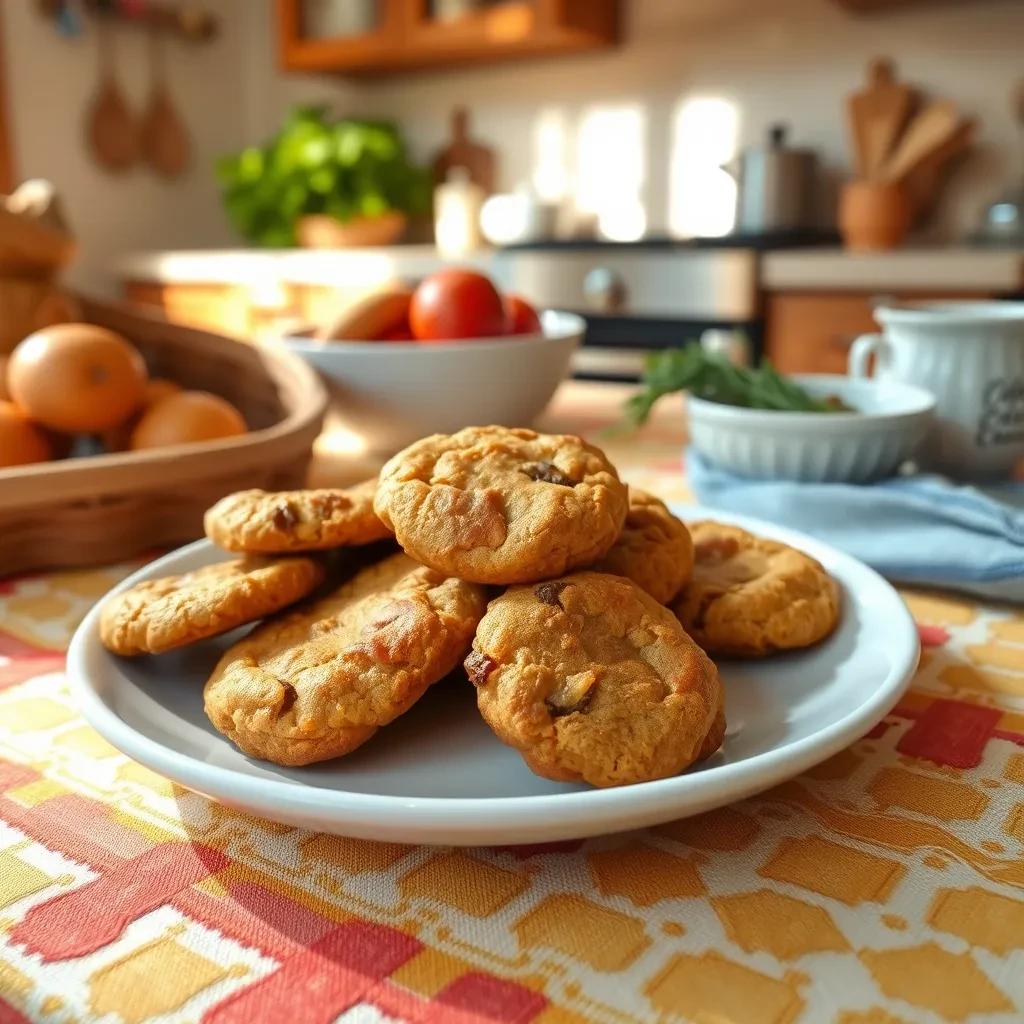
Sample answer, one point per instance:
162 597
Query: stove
638 297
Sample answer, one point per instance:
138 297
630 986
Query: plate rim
467 819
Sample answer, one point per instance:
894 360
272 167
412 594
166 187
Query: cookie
654 549
750 596
499 505
592 680
174 611
286 521
319 681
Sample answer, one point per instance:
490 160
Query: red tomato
456 304
520 316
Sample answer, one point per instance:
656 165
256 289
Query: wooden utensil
165 142
931 129
877 115
462 151
922 184
111 128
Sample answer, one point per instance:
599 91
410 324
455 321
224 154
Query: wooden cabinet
381 36
881 6
811 332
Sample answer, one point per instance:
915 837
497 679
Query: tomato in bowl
389 393
456 304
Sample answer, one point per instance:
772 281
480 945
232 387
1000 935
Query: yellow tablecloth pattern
884 885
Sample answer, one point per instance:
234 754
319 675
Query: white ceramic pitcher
970 355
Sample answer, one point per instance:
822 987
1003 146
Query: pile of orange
78 379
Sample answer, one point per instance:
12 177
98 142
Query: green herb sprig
715 379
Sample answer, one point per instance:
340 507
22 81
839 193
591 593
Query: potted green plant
324 182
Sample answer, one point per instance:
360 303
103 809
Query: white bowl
390 393
891 421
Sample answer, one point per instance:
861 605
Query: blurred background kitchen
609 122
756 178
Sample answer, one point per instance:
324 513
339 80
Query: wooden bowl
99 509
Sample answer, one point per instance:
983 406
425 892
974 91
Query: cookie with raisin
286 521
501 505
318 682
174 611
750 596
654 549
592 680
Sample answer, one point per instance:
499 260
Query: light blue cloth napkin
917 529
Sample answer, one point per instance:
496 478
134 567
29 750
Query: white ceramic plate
438 775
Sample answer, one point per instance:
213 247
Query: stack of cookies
584 613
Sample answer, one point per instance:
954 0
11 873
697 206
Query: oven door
637 300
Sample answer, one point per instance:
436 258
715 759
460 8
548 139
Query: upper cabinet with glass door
380 36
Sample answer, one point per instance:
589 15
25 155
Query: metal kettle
777 186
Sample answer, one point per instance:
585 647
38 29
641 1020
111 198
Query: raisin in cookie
318 682
284 521
654 549
498 505
751 596
590 679
159 615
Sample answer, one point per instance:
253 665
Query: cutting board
877 115
463 151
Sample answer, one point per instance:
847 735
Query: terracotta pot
873 215
319 231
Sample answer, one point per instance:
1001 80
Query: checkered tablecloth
885 885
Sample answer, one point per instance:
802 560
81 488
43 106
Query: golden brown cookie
751 596
286 521
654 549
159 615
318 682
590 679
498 505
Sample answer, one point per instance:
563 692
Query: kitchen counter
960 269
578 407
258 267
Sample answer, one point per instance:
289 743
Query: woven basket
88 511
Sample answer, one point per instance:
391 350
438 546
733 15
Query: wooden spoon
922 183
165 142
928 131
877 115
110 127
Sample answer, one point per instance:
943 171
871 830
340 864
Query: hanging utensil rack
185 21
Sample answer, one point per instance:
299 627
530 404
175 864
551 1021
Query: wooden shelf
409 39
883 6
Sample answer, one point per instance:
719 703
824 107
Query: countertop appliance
638 297
777 185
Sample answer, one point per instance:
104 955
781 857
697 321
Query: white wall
790 60
50 82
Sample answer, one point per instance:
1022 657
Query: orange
186 417
5 395
21 441
119 438
77 378
157 388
